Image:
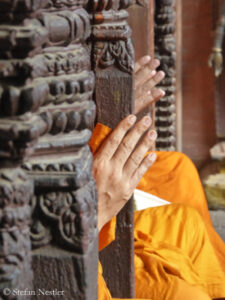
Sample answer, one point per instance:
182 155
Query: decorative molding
119 53
61 212
73 59
165 51
49 30
15 212
49 94
111 35
19 41
18 136
15 11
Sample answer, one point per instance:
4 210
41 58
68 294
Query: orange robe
174 255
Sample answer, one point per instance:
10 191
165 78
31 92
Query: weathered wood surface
113 59
46 108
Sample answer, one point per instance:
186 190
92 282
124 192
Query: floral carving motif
71 213
119 53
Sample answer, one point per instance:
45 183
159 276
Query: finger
146 73
143 168
154 81
143 76
141 62
110 145
130 140
135 159
144 92
148 99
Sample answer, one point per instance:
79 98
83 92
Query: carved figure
216 57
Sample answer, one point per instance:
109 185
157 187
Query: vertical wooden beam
113 64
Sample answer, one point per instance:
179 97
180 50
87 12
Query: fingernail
149 93
156 63
132 119
147 121
146 59
158 93
153 135
153 73
160 75
152 157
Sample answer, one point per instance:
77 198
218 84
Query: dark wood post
113 59
168 109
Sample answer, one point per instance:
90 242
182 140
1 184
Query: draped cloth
178 254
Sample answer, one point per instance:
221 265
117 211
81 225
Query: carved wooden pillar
113 60
165 49
217 9
46 109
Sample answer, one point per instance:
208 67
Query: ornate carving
46 94
111 34
74 170
15 11
63 211
101 5
66 4
51 30
21 5
17 136
165 49
19 41
119 53
73 60
15 212
66 27
46 110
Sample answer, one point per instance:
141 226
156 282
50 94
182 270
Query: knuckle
127 146
142 171
135 160
140 129
114 141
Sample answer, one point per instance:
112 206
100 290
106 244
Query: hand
216 62
146 78
119 165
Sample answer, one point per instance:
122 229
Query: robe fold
178 254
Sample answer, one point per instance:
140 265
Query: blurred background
185 36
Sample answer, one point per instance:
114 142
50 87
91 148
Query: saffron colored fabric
178 254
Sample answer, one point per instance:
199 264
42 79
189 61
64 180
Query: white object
144 200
